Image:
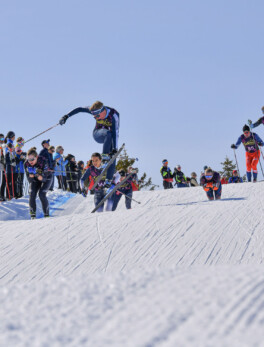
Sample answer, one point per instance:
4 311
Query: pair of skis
108 195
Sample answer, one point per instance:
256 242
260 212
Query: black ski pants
40 188
167 185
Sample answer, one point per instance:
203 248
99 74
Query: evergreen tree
125 162
228 167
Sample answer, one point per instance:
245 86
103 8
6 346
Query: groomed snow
177 270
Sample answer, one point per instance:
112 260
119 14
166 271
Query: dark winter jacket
41 168
179 176
235 179
166 174
215 179
45 153
111 121
92 173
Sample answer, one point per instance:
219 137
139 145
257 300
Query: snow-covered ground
177 270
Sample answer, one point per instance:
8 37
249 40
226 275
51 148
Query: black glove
233 146
63 119
113 152
260 144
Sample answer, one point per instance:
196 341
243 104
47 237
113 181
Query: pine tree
125 162
228 167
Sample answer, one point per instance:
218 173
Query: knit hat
246 128
205 167
10 134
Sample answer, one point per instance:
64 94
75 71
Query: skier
166 174
235 178
180 179
92 173
37 173
251 141
125 189
106 130
211 184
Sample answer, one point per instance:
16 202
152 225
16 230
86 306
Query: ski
107 196
109 163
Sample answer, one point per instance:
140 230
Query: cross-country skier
106 130
251 141
211 184
235 178
166 174
92 173
38 176
125 189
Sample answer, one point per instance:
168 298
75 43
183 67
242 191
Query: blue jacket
20 164
235 179
59 169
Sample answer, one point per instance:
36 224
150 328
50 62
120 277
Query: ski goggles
96 113
165 163
208 176
2 139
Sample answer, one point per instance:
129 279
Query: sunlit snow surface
177 270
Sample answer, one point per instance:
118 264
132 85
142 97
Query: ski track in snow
177 270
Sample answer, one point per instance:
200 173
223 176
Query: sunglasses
246 132
31 159
208 176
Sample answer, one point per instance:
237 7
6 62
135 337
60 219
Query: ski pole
7 187
257 147
236 162
54 126
129 197
12 175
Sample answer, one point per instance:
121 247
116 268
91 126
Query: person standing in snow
211 184
60 170
38 175
91 174
180 179
251 142
166 174
126 189
235 178
106 130
193 180
2 167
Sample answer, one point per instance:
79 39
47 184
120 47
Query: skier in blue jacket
106 130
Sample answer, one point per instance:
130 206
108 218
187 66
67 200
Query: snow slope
177 270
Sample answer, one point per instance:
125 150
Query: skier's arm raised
73 112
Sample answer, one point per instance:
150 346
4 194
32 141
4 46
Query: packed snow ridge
176 270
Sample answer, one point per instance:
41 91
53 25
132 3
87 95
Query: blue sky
185 76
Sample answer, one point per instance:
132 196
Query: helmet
164 161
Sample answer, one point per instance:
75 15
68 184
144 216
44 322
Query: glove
107 183
233 146
250 124
113 152
63 119
84 192
260 144
215 186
